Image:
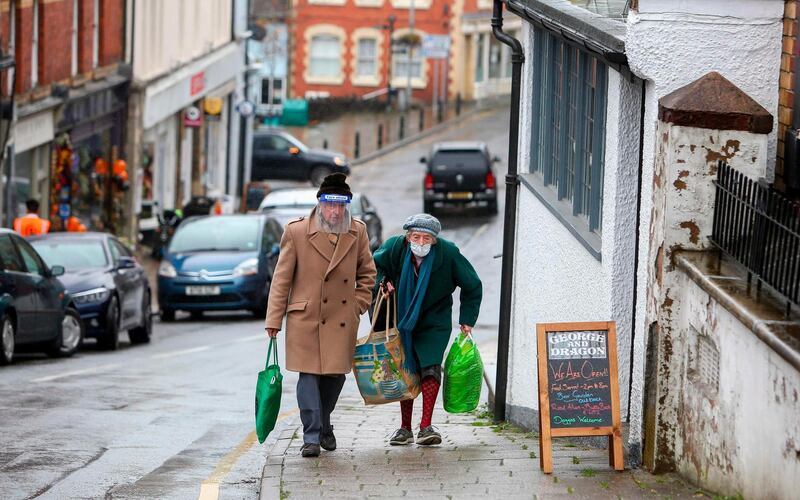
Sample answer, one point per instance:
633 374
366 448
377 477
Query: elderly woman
425 270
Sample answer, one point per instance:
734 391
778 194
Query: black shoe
310 450
401 437
328 440
428 436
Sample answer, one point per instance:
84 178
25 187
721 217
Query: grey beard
340 227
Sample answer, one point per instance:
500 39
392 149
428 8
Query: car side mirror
294 151
126 263
57 271
275 250
423 160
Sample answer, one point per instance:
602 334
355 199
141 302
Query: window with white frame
74 37
568 131
400 64
95 33
35 45
12 34
325 59
367 53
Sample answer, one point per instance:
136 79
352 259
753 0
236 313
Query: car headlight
167 270
94 295
246 268
338 160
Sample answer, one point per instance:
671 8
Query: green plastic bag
463 376
268 393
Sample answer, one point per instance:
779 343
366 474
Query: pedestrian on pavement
425 270
322 284
31 224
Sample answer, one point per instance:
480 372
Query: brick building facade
342 47
70 90
787 90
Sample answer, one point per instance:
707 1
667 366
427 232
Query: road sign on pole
436 46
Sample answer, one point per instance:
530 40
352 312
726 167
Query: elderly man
322 284
425 270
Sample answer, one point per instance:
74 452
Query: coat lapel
318 239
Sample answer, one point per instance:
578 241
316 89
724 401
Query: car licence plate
459 195
202 290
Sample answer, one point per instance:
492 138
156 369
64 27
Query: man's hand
387 289
272 332
466 330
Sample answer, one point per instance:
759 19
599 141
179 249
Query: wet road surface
174 419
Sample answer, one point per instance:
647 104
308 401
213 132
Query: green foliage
588 473
576 460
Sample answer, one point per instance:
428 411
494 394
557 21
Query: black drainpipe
510 215
636 244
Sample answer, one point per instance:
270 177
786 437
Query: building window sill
366 81
324 80
762 311
562 210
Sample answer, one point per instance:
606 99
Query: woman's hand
387 289
466 330
272 332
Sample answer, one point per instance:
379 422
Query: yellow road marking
209 488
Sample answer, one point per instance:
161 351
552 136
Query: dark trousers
316 397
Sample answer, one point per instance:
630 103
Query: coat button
341 324
326 279
324 301
344 301
345 280
323 321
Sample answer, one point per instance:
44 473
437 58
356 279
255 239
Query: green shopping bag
268 393
463 376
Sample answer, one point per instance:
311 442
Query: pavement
476 460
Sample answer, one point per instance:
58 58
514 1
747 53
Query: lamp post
389 26
410 54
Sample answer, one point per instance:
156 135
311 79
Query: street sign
436 46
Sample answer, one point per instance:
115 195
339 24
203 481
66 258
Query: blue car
36 312
109 287
219 263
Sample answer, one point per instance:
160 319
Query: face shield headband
333 213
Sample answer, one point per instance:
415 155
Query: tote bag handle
391 312
272 353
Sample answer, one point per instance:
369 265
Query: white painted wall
169 34
671 43
556 278
743 438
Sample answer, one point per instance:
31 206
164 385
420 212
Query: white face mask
420 250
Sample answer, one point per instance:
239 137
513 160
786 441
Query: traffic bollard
357 148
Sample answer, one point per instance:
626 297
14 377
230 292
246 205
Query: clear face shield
333 213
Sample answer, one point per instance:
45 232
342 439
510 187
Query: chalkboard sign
578 386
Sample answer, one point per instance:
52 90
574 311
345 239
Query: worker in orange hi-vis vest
31 224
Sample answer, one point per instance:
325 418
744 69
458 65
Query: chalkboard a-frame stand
580 374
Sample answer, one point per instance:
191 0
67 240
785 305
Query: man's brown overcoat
323 291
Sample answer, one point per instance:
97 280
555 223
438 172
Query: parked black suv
279 155
460 173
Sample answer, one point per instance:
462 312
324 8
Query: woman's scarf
410 296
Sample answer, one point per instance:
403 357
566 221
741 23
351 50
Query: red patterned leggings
430 389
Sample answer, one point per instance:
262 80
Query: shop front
183 148
33 135
89 177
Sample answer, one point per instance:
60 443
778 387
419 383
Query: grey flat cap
425 223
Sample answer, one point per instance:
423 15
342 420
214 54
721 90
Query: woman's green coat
450 270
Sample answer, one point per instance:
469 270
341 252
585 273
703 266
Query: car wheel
7 340
167 315
141 334
70 338
110 339
492 208
318 174
427 207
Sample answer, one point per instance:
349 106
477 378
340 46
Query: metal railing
760 228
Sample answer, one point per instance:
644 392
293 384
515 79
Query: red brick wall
24 39
787 91
55 39
349 17
112 31
55 42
